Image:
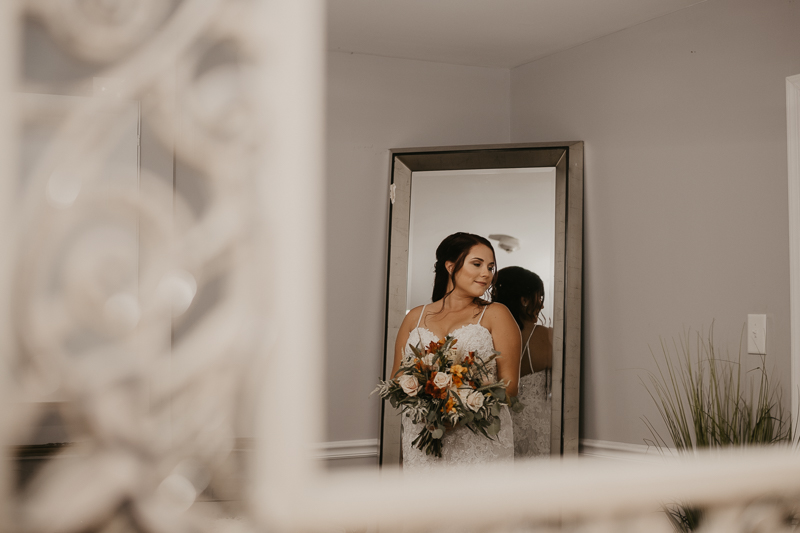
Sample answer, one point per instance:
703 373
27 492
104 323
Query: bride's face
477 272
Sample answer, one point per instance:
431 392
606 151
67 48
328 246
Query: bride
465 271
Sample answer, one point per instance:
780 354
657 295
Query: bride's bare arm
409 322
507 341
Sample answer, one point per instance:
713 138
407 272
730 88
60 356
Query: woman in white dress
464 272
522 292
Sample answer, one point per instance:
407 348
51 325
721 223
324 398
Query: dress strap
420 314
484 310
419 320
528 347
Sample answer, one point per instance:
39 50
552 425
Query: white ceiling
486 33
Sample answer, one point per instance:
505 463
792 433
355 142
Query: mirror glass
516 209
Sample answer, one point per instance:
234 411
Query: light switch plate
757 334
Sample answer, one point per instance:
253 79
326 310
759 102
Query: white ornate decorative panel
153 151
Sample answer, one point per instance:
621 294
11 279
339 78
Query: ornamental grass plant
709 401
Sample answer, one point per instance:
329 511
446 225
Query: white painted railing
734 487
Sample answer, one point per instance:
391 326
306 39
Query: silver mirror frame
567 158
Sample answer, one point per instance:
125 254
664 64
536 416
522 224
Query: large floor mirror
527 199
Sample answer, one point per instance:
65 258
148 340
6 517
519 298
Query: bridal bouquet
439 392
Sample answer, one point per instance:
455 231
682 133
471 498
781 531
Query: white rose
409 384
442 380
475 400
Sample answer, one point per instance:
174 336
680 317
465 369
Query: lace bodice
460 445
471 338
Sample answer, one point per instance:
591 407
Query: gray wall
375 104
684 119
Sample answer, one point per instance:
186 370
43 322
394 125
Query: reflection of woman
464 272
522 292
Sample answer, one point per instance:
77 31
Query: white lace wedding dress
532 424
460 446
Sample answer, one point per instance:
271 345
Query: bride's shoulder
497 312
495 306
412 317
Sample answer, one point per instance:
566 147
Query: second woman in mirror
522 292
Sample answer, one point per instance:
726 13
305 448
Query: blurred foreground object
134 319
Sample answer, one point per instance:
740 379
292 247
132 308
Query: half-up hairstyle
515 283
454 248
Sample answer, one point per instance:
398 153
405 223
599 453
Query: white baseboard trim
332 450
347 449
367 448
620 451
370 448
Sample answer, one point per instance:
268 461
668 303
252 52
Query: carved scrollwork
214 94
111 262
100 31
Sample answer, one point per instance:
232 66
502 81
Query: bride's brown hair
455 248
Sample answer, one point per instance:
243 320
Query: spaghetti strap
528 347
419 321
484 310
